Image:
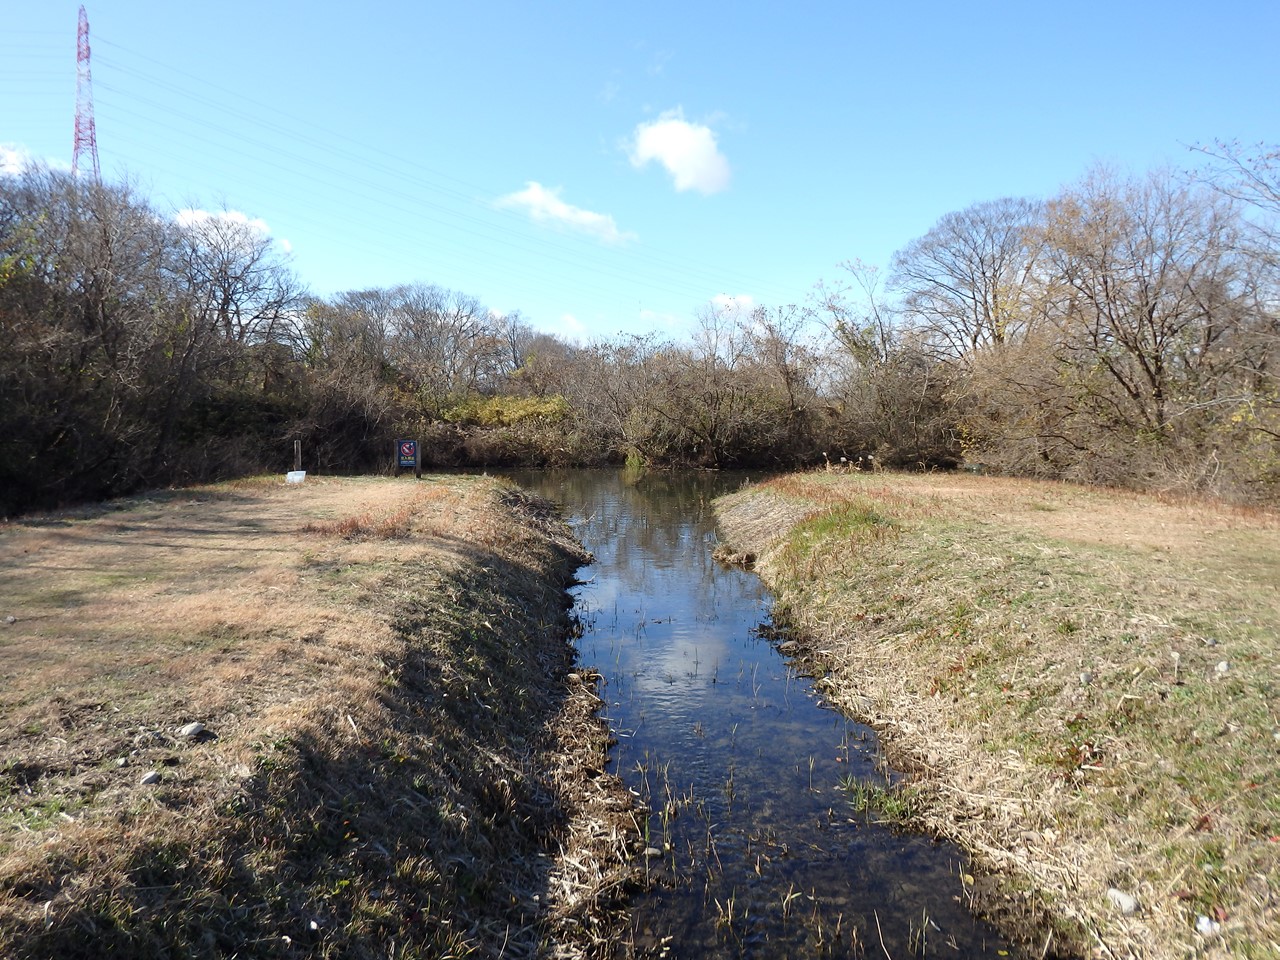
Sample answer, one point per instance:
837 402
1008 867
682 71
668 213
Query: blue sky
611 167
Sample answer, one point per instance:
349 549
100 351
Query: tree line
1124 332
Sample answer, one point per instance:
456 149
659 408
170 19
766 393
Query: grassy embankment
399 759
1082 685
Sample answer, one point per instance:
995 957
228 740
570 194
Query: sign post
407 457
297 474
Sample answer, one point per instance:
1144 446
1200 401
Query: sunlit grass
403 763
1081 683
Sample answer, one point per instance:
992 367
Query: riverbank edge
755 524
452 800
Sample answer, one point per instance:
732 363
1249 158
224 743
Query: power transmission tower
86 133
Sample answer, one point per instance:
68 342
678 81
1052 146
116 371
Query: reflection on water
756 848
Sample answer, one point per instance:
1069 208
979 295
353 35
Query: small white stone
150 777
1222 667
191 730
652 852
1126 903
1207 927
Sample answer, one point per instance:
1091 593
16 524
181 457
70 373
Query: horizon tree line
1124 331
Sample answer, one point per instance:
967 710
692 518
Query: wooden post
297 454
417 461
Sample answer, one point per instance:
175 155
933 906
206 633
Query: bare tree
780 342
1251 176
446 342
237 278
92 374
352 402
886 389
608 384
1147 285
1147 373
962 282
854 312
548 366
349 336
516 336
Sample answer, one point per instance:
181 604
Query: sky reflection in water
745 770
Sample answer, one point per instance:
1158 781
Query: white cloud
191 217
571 328
687 150
15 160
543 205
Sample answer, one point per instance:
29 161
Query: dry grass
399 762
1082 684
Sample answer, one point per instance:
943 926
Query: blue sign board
407 452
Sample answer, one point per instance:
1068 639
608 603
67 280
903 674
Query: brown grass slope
1081 684
399 758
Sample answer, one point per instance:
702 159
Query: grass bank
1081 685
339 719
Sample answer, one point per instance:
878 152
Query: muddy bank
1078 684
394 756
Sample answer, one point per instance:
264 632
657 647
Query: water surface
755 847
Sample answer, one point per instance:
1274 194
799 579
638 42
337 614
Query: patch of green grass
46 812
898 804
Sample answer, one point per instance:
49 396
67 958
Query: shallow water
753 841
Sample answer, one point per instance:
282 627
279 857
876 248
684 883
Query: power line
699 272
575 245
436 216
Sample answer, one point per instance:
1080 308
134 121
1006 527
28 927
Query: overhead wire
475 226
701 272
577 246
455 221
427 244
446 245
462 227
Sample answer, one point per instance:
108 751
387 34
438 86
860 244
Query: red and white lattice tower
86 135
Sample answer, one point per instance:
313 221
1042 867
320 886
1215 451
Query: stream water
753 842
